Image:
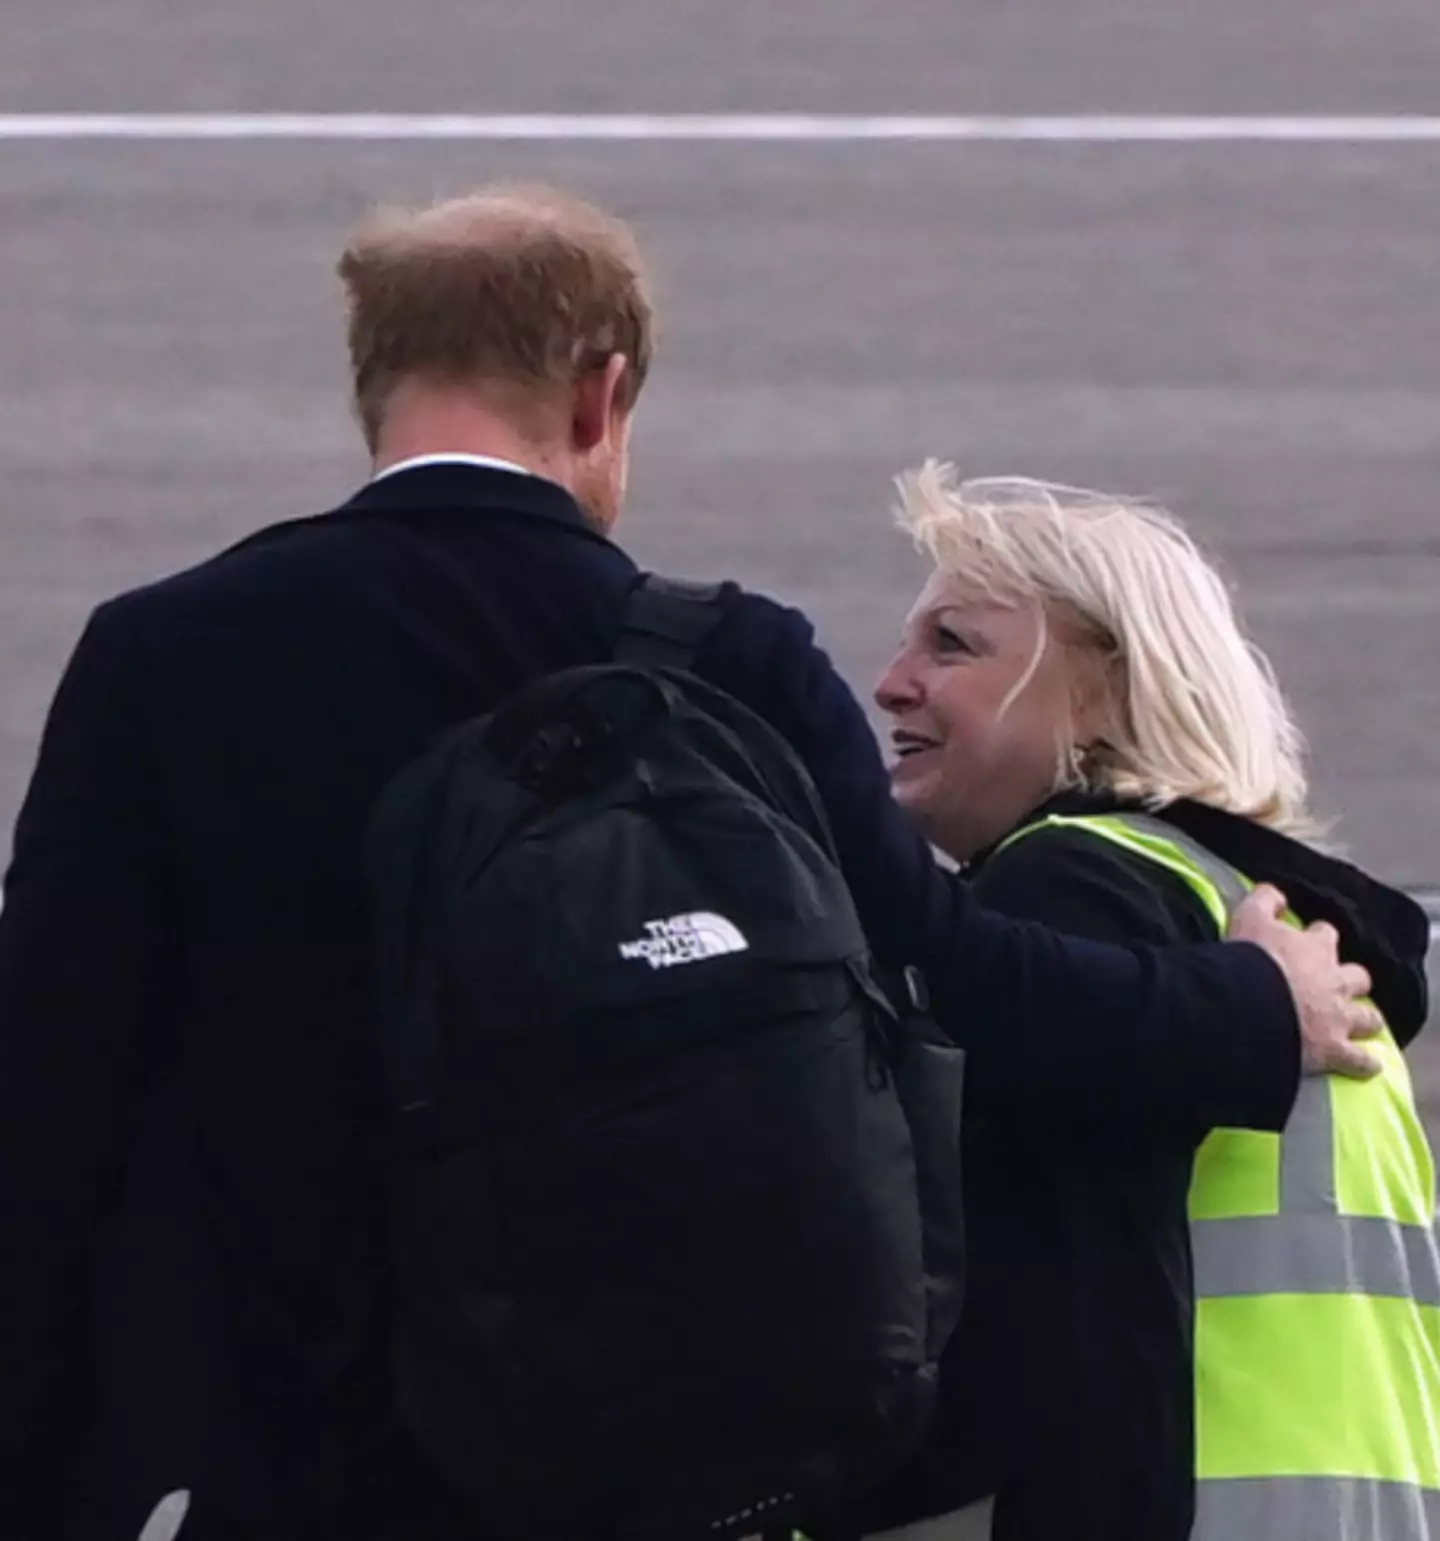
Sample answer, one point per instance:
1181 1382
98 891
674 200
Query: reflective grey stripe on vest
1314 1509
1315 1255
1307 1153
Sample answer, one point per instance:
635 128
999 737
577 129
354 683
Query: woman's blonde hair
1195 708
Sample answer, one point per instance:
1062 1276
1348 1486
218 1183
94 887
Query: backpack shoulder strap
668 619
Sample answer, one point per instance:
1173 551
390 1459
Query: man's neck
431 421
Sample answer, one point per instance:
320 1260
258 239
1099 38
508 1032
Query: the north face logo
685 939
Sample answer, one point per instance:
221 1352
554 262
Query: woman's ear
1096 681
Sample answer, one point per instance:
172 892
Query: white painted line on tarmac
770 128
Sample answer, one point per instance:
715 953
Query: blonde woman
1078 716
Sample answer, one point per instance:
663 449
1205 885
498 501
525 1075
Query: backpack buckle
917 992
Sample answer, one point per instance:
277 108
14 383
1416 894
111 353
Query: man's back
283 684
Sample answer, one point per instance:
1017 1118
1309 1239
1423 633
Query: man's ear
597 399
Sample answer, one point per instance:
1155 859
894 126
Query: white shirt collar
487 462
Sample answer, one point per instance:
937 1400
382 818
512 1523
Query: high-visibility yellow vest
1317 1283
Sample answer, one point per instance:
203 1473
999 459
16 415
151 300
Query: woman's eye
948 641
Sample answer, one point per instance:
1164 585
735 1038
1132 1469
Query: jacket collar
457 486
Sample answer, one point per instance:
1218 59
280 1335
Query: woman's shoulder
1059 869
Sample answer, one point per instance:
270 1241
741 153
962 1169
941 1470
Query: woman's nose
896 690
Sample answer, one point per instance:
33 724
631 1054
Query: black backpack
675 1188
